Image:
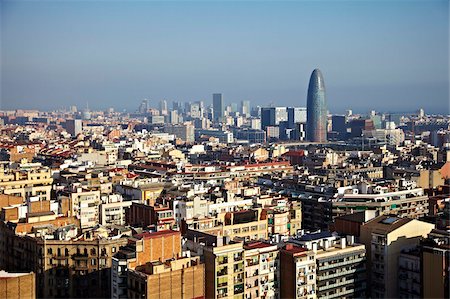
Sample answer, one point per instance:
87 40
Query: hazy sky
384 55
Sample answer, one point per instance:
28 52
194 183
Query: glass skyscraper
316 109
218 107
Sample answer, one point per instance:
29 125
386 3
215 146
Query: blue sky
383 55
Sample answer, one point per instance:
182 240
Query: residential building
224 269
17 285
297 272
385 237
175 278
261 270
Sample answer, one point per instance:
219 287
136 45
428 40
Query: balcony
80 256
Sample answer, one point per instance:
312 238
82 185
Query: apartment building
385 237
142 249
297 272
341 270
295 217
409 274
63 268
261 270
26 183
224 269
436 264
17 285
174 278
113 213
84 204
405 203
246 224
340 264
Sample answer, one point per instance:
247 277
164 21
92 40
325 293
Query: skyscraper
316 109
218 108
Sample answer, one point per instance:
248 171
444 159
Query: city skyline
374 54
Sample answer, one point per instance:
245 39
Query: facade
385 237
17 285
297 272
224 270
30 183
218 107
113 213
179 278
261 270
409 276
74 126
316 108
272 116
341 270
436 264
186 132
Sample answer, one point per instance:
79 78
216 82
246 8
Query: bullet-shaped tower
316 109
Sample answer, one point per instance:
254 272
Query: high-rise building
74 126
272 116
224 270
163 107
143 107
298 272
385 237
436 265
316 108
296 115
245 108
218 108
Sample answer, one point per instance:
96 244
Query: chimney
289 246
343 243
326 244
314 247
350 239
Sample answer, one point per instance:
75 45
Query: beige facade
225 277
261 270
385 237
35 182
179 278
17 285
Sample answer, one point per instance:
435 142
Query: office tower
73 109
163 107
74 126
339 125
245 108
255 123
143 107
233 107
176 106
316 108
218 108
174 119
385 237
296 115
196 110
272 116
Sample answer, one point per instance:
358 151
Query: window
113 249
93 262
49 251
